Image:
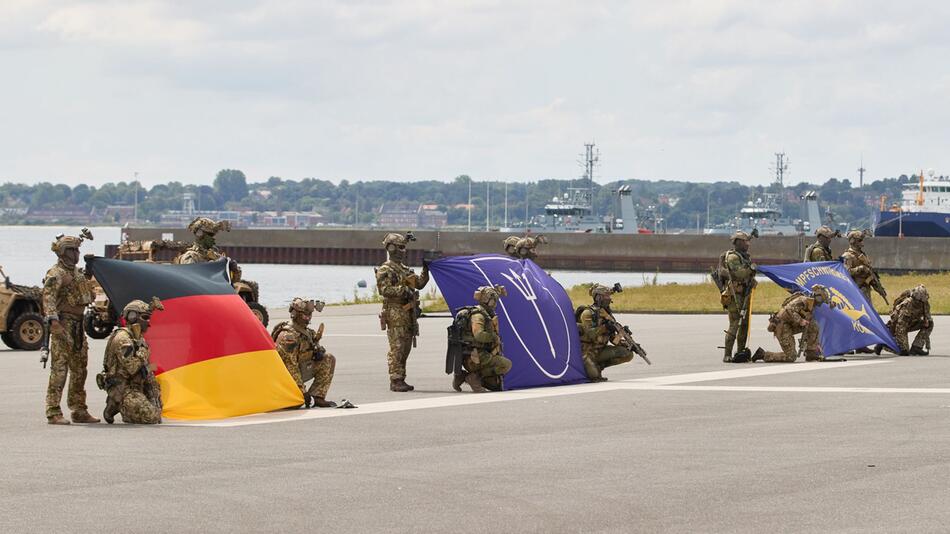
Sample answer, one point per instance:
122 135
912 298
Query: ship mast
781 167
591 160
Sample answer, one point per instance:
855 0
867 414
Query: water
25 256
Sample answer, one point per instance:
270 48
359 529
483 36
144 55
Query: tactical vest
811 249
463 325
305 336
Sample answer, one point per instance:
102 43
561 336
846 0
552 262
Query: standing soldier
735 278
66 293
820 250
299 347
128 377
859 265
484 365
603 343
204 248
911 312
796 317
399 287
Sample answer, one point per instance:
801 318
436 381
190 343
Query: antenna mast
861 170
781 167
591 160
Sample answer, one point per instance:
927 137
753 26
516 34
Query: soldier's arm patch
288 341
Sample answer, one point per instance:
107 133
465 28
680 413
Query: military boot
878 348
917 351
494 383
320 402
410 386
812 356
108 415
398 385
83 417
759 354
458 380
475 383
57 420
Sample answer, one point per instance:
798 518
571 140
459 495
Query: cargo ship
924 210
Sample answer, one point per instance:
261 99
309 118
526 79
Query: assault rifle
44 352
877 286
622 335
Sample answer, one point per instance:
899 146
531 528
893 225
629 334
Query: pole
526 206
135 209
488 206
506 204
470 204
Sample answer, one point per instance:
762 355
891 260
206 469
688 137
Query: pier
575 251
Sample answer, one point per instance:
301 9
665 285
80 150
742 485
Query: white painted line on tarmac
661 383
750 370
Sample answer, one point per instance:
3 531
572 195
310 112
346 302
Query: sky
704 90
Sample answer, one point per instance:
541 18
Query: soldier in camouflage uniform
597 349
484 364
911 311
128 377
860 267
523 248
204 249
820 250
795 317
299 347
66 292
399 287
737 273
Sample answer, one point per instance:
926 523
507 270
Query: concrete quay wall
609 252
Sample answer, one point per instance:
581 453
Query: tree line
679 204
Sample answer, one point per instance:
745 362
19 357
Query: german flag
214 358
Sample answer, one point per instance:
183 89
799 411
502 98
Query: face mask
70 257
205 241
398 253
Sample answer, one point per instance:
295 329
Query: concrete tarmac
857 446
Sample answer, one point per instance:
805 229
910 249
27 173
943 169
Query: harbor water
25 256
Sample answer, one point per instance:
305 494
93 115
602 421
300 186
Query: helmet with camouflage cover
511 243
826 231
856 236
819 290
599 289
484 295
138 309
207 226
394 240
64 242
920 293
740 236
299 305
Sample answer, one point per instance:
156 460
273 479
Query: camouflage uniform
299 347
523 248
738 274
911 311
787 323
820 249
484 364
596 350
66 292
399 286
859 264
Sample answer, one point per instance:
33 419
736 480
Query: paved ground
856 446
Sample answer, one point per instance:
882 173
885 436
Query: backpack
459 342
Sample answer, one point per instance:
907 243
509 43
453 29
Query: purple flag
536 319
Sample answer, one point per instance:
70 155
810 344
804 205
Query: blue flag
536 320
853 323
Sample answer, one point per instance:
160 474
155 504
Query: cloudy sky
410 89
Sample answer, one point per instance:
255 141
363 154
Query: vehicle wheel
7 338
95 328
259 311
27 331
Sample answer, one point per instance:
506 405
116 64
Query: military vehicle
100 319
21 315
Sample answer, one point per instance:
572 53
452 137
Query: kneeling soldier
128 377
484 365
604 342
911 312
795 317
299 347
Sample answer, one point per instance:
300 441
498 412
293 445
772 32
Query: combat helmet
822 291
511 241
484 294
394 240
299 305
64 242
856 235
142 308
826 231
920 293
599 289
208 226
740 235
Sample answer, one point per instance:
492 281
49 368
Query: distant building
402 214
289 219
74 216
119 214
